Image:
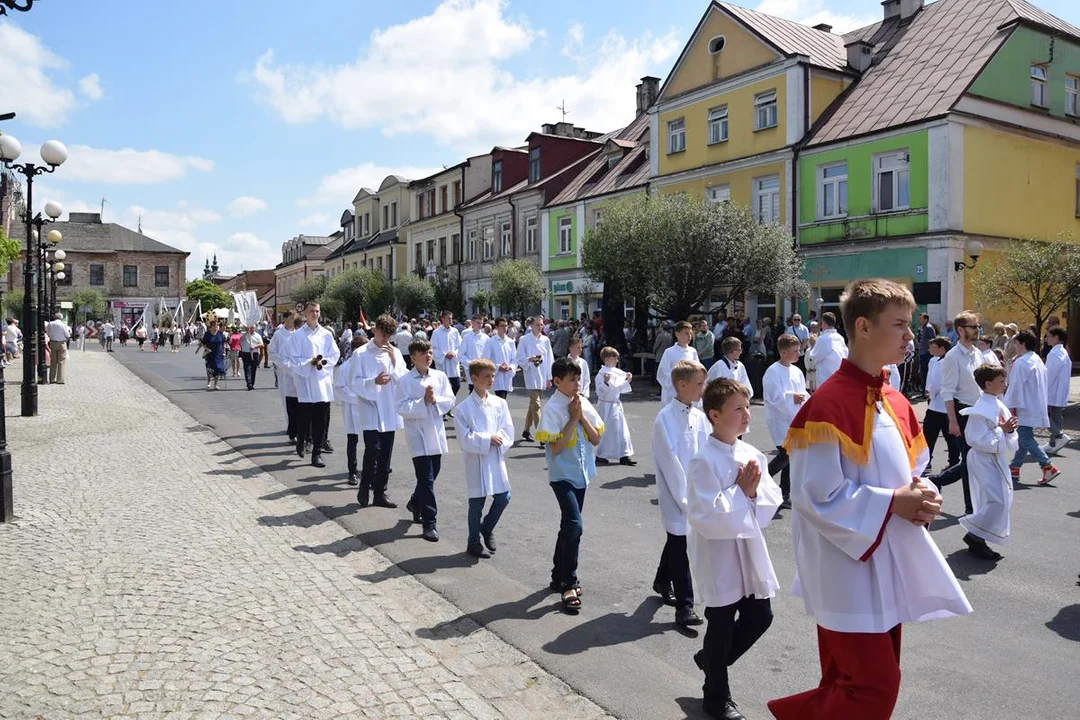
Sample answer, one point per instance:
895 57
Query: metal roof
791 38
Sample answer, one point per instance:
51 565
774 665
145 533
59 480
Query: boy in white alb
485 431
611 383
679 432
986 345
1058 371
936 419
501 350
350 413
828 349
472 344
314 354
864 560
574 353
446 347
991 435
784 388
729 366
1027 398
423 396
730 499
535 360
681 350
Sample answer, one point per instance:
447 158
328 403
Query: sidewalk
149 573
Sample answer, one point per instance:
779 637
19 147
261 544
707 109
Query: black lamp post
54 154
22 6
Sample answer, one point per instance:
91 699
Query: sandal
570 600
554 587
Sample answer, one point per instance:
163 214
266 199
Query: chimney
823 27
564 129
647 90
892 9
76 217
859 55
908 8
548 129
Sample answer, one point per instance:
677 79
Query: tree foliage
448 296
309 290
482 301
1035 275
679 252
10 249
517 286
89 299
355 290
13 304
210 295
414 296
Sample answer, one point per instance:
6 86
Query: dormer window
534 164
717 44
496 176
1038 86
612 159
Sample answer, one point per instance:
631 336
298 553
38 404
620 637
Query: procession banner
247 307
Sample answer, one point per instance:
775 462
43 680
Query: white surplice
988 469
1058 371
933 386
376 403
672 355
476 421
585 383
350 413
828 351
530 346
472 347
447 340
425 431
990 358
732 370
894 377
679 432
780 386
729 559
312 384
502 350
611 383
859 568
1027 393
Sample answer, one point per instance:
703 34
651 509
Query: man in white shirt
107 331
959 390
314 355
803 333
446 345
59 333
828 349
251 344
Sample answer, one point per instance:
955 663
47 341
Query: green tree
1035 275
13 304
517 286
482 301
355 290
210 295
414 296
10 249
309 290
89 299
448 296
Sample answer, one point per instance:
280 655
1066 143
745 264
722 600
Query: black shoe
363 496
602 461
431 534
699 660
449 414
489 540
786 504
686 617
729 711
477 551
300 448
627 461
326 448
292 439
353 480
382 501
665 593
526 436
317 461
411 507
978 547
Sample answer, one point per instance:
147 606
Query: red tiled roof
791 38
631 171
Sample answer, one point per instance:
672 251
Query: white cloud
246 205
124 167
90 86
575 40
316 219
340 188
444 75
239 251
812 12
28 90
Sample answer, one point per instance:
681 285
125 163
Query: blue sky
230 127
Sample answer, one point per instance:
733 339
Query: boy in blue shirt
570 429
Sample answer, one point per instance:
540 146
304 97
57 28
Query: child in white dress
611 384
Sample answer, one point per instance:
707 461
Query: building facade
302 258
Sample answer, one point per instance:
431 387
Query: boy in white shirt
729 366
991 435
681 350
730 499
1027 398
1058 372
485 431
575 355
611 383
784 388
535 360
349 412
502 352
472 343
679 432
985 345
423 396
936 419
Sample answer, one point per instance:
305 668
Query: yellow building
379 241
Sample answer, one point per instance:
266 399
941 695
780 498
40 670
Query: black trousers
378 447
455 384
674 570
937 423
312 421
427 469
251 363
727 638
291 414
959 471
352 440
780 463
501 393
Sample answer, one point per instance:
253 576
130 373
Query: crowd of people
851 457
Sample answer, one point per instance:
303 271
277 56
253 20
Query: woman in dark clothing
213 347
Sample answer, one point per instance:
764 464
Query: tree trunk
612 315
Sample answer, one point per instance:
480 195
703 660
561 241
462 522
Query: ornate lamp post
21 6
56 273
54 154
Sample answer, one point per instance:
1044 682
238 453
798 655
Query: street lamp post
56 275
53 153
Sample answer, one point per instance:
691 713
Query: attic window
717 44
612 159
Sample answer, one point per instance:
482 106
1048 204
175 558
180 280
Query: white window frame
505 239
1039 81
472 246
489 242
718 193
839 186
676 135
1072 95
772 214
566 231
766 113
530 234
718 125
898 163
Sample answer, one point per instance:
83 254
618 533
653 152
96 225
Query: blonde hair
718 391
787 341
481 365
685 370
869 298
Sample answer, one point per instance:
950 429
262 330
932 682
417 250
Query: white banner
197 313
247 307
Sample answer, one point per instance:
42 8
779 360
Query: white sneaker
1048 448
1060 443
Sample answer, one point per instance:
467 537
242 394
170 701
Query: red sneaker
1015 473
1049 472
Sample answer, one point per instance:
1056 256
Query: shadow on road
691 707
421 566
309 518
611 629
468 623
1074 514
639 482
1067 622
966 566
945 521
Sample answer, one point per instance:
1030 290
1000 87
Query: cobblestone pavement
139 580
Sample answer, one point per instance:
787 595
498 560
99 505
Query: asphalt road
1015 657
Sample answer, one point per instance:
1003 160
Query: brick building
128 268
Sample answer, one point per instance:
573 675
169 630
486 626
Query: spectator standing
705 343
59 333
959 390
